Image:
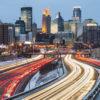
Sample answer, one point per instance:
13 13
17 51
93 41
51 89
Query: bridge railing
94 92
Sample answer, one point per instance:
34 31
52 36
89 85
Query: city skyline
64 6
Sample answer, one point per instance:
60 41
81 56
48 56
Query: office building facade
57 24
91 34
11 32
72 26
46 21
4 34
65 37
34 31
19 29
26 16
77 14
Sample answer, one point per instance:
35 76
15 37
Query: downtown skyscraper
91 32
3 33
26 16
77 13
46 21
57 24
20 35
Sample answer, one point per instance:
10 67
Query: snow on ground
40 79
43 79
32 82
11 61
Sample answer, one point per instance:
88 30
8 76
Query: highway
90 60
10 80
19 63
73 87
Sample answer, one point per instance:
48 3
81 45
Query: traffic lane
6 81
17 71
19 63
90 60
11 75
15 75
80 80
3 87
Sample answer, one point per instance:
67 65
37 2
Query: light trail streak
11 79
90 60
81 75
5 67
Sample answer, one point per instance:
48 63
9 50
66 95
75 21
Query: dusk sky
10 9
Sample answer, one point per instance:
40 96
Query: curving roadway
10 80
73 87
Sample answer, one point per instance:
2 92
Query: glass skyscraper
57 24
77 13
19 29
26 16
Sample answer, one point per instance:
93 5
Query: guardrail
94 92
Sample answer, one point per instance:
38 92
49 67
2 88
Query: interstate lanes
89 60
75 86
19 63
10 80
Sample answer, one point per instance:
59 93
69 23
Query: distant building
57 24
75 24
54 27
22 38
34 31
39 30
19 29
26 16
30 36
3 34
11 32
66 38
77 14
87 21
42 38
46 21
72 26
91 32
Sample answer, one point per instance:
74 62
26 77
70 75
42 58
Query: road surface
19 63
75 86
11 79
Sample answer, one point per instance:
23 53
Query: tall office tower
34 31
91 32
46 21
20 31
57 24
11 30
26 16
4 34
71 25
77 14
